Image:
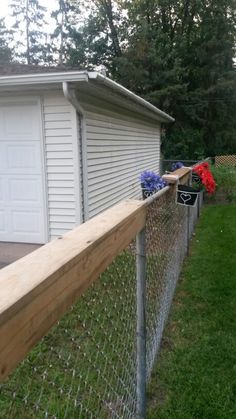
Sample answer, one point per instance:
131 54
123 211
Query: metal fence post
141 323
198 206
188 229
188 217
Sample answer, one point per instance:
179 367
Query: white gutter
81 76
72 98
127 93
43 78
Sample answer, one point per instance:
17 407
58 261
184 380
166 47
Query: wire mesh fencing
86 367
167 165
225 160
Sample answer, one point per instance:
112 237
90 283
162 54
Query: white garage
72 144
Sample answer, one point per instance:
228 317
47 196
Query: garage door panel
3 221
3 157
23 158
2 195
24 191
20 158
19 122
25 221
22 217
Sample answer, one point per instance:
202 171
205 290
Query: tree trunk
61 49
107 5
27 34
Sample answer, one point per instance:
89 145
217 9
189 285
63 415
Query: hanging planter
206 179
196 179
146 192
186 195
151 183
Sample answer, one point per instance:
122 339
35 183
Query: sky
5 10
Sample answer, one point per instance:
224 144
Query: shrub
225 177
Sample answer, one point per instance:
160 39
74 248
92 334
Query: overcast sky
5 10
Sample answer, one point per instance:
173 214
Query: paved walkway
10 252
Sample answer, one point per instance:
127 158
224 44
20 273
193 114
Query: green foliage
66 36
102 33
5 39
183 53
194 375
186 142
225 177
177 54
28 29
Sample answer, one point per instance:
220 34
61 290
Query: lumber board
38 289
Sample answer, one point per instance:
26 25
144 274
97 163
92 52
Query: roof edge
82 76
41 78
93 75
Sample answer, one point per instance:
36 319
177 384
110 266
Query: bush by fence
225 177
96 361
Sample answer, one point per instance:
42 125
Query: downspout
72 98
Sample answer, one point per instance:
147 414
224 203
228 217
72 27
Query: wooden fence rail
38 289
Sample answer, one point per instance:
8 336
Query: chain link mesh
225 160
168 229
86 366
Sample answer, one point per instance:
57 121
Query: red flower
206 177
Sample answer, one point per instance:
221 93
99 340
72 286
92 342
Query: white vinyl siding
119 148
61 163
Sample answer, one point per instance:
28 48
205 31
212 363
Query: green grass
195 374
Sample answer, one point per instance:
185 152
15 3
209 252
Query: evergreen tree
29 22
66 34
99 39
178 54
5 39
180 57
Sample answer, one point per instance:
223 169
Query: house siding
119 147
60 132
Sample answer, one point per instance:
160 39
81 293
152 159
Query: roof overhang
116 87
43 78
75 78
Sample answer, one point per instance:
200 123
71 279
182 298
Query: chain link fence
86 367
167 165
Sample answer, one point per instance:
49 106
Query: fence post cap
171 178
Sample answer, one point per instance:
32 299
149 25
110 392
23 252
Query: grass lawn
195 374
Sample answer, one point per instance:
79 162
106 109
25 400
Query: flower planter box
145 192
186 195
196 179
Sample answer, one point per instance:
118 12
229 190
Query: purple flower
151 182
176 165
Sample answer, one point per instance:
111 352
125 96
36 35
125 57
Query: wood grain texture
38 289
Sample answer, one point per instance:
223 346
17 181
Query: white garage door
21 181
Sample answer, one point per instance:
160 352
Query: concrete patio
10 252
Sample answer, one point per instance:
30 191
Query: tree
180 57
66 35
178 54
29 21
5 39
99 39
